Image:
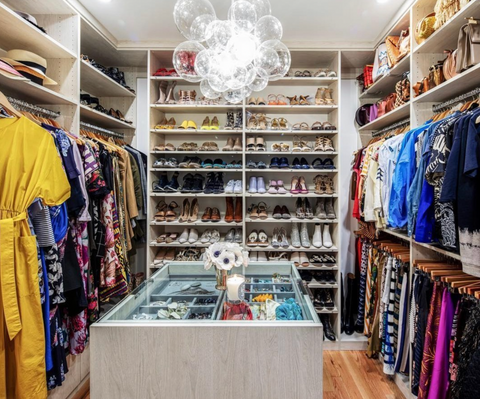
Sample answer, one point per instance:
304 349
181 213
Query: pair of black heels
94 103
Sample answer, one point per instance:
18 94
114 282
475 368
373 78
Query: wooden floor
351 375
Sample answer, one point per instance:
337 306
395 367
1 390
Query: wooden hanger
9 107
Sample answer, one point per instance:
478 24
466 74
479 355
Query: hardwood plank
351 375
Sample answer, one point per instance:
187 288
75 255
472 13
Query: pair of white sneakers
234 187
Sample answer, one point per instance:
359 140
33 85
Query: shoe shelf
18 33
291 132
179 194
196 244
291 109
195 131
318 268
393 116
386 84
317 284
194 108
326 310
289 195
98 84
298 171
292 249
281 153
206 170
34 93
270 219
300 81
199 152
95 117
221 222
446 37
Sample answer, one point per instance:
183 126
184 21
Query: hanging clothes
30 168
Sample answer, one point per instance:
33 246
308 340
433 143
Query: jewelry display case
171 329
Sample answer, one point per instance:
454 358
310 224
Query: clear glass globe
268 28
208 91
243 15
203 62
234 96
238 78
284 59
184 58
262 7
218 34
266 58
260 81
243 47
198 30
186 12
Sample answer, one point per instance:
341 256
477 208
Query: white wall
349 141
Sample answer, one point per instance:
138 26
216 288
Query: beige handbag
450 64
468 52
403 44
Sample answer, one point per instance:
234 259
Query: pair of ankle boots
234 211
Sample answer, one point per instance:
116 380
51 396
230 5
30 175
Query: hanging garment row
426 180
433 321
68 210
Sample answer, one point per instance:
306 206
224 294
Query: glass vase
221 279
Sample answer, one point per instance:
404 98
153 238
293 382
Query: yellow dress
30 167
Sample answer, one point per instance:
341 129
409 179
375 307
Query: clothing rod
447 104
101 130
391 127
34 109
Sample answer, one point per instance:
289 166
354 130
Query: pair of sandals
299 185
258 211
323 126
164 163
209 146
165 213
323 185
278 256
164 147
322 259
280 147
188 147
323 164
256 144
257 239
188 255
190 163
300 100
301 145
323 144
257 122
321 73
277 99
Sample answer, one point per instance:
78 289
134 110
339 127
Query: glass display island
169 338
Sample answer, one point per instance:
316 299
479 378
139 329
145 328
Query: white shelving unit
289 86
419 109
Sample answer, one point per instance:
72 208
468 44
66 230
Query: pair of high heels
324 96
166 94
189 211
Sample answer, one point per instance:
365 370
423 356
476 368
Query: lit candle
236 287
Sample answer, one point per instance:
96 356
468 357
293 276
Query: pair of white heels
188 235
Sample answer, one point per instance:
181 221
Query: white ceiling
306 23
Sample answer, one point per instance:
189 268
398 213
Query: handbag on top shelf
468 52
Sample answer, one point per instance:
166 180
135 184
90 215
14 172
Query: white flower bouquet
225 256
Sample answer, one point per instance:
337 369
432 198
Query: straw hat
30 65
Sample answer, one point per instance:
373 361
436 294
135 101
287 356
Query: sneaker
261 185
238 188
252 189
229 189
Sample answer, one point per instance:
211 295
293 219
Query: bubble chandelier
231 58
